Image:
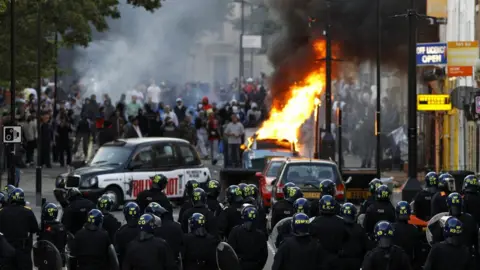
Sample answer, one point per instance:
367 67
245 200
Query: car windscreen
308 174
111 155
274 168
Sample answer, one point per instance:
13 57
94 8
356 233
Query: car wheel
117 196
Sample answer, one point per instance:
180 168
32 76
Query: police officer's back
187 197
301 205
406 235
251 196
283 208
326 187
129 231
213 190
422 205
381 209
450 253
155 194
75 214
170 231
52 230
7 254
110 222
439 199
471 197
91 243
230 216
385 255
249 242
147 252
372 186
300 251
356 244
18 224
199 202
199 251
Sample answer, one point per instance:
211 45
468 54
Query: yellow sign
434 102
357 194
461 57
311 195
437 8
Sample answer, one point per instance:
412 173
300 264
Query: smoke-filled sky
142 45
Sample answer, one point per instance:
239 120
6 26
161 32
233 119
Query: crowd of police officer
318 234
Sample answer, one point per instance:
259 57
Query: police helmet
446 182
403 210
17 196
374 184
50 212
73 193
95 217
146 223
159 181
300 224
234 194
286 187
327 204
190 186
348 212
383 233
328 187
213 188
105 203
249 213
470 184
301 205
455 204
431 179
8 189
131 211
383 193
199 197
196 221
253 190
244 188
453 227
293 194
155 209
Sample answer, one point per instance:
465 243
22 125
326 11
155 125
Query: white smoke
143 45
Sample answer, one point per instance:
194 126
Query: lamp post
378 155
11 148
241 51
38 169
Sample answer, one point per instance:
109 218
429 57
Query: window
308 173
274 168
110 155
165 155
144 156
189 155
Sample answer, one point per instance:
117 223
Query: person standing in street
234 132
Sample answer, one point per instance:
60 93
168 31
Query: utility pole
378 129
38 170
55 76
241 52
11 147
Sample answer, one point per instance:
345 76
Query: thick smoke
143 45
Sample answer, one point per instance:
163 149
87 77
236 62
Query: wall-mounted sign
434 102
429 54
461 57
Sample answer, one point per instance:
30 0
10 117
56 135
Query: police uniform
126 234
153 195
111 225
56 233
439 203
75 215
172 233
423 204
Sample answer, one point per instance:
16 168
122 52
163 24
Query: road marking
271 248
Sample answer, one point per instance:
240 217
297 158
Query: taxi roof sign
434 102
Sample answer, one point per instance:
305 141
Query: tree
71 19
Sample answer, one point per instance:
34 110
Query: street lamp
38 169
11 147
241 52
379 105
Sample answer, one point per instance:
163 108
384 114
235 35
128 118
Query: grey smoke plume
143 45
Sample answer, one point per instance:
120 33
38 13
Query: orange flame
285 122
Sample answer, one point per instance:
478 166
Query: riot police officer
155 194
230 216
52 230
385 255
422 203
170 230
329 228
327 187
187 197
213 190
372 186
284 208
471 197
244 188
381 209
199 250
147 251
470 227
199 202
406 235
301 249
128 231
356 245
75 215
7 190
110 223
451 253
301 205
91 243
249 242
439 199
251 197
18 224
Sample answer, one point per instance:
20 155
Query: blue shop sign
429 54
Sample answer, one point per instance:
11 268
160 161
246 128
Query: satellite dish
462 95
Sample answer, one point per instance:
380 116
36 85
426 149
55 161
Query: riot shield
440 217
274 234
227 258
46 256
71 261
113 259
